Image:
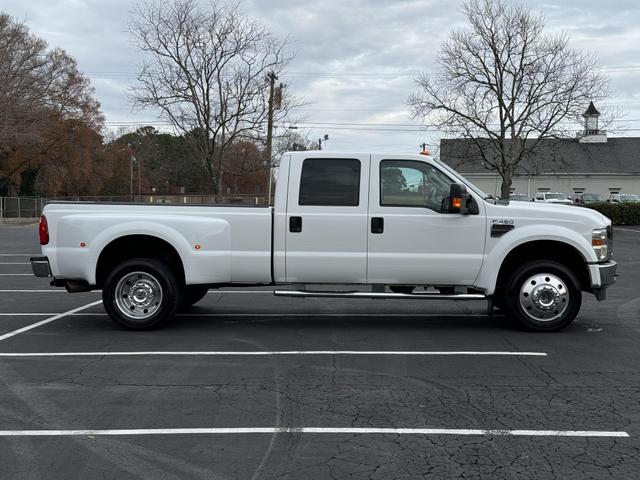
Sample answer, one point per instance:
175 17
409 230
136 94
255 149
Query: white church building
591 163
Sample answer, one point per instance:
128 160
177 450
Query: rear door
327 202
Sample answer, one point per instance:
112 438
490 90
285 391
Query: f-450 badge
500 226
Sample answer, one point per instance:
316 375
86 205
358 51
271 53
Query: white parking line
48 290
626 230
16 274
48 320
302 314
308 314
19 254
62 290
15 263
44 290
276 353
315 430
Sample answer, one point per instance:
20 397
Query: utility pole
272 84
132 159
139 193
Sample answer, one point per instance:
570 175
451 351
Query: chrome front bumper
40 266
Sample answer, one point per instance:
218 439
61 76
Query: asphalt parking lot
246 386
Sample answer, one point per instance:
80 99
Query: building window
330 182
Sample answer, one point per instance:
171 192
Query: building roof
592 110
555 156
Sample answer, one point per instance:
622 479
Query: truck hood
552 213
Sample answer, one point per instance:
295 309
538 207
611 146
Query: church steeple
591 120
592 132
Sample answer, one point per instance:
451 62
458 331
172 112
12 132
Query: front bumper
40 266
607 272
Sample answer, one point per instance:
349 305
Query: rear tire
542 296
141 294
192 294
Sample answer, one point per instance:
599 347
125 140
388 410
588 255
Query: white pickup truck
387 226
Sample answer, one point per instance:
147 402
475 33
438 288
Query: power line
320 124
401 74
358 128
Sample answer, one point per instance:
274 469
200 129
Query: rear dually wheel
141 293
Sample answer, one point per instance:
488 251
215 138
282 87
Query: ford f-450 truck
342 225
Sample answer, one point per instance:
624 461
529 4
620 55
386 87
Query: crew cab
386 226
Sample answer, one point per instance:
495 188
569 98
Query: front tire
543 296
141 294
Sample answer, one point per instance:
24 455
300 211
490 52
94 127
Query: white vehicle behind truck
553 197
388 226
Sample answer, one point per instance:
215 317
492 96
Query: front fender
494 259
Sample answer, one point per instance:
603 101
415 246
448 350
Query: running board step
355 294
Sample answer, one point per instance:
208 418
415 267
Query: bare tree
506 85
28 75
41 96
292 140
206 71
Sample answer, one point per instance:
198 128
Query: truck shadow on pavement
201 321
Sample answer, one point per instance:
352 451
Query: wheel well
546 250
137 246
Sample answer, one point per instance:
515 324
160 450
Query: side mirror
458 201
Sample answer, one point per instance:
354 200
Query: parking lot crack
78 372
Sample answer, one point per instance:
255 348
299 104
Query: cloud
355 59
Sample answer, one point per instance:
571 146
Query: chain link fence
25 209
20 208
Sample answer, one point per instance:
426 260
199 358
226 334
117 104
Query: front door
411 240
326 238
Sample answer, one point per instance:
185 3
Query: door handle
377 224
295 224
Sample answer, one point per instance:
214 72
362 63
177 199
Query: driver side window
409 183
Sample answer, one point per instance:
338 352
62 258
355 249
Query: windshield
556 196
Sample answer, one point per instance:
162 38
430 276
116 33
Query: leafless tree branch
206 72
507 85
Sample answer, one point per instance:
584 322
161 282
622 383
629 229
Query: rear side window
330 182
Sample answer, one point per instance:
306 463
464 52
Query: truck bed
216 243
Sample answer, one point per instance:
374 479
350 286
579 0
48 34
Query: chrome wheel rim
544 297
138 295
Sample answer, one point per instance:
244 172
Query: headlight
600 243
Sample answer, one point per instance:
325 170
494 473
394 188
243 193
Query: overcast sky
355 59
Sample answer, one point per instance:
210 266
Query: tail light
43 230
